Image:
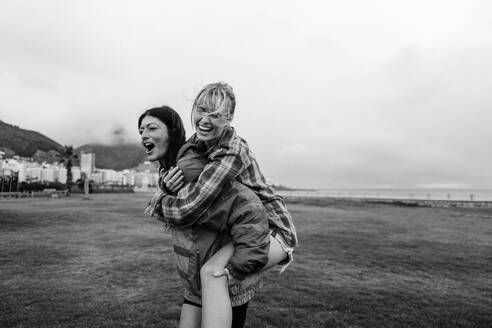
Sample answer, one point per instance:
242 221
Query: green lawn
71 262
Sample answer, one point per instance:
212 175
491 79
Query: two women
223 215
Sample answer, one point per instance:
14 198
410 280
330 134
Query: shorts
238 313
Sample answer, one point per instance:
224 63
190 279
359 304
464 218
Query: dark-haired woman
227 160
236 215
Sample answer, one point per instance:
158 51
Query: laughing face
209 124
155 138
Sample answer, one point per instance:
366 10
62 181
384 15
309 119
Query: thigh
220 259
191 316
276 254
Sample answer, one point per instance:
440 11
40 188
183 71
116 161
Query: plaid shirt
230 158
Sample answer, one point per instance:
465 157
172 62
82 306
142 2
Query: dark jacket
229 159
193 246
236 212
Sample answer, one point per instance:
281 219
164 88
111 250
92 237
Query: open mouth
149 146
204 129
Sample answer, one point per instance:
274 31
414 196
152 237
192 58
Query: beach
75 262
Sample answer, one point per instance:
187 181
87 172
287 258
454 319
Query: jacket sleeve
193 200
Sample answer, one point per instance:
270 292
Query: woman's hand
223 273
173 179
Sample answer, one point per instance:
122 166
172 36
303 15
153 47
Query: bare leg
216 310
191 316
275 255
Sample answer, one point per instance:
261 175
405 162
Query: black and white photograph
246 164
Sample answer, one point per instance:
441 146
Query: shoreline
329 200
404 194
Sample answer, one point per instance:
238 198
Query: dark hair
175 127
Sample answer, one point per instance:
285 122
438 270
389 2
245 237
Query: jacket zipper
198 267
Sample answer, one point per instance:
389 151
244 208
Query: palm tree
67 156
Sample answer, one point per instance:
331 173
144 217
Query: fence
34 194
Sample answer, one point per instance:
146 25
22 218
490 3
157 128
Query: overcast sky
330 94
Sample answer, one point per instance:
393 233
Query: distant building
33 174
87 163
111 176
62 175
49 174
145 177
76 173
97 177
148 167
9 166
46 173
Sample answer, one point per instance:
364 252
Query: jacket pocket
185 258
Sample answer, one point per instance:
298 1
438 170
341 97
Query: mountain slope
33 144
25 142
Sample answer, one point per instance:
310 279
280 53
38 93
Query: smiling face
155 138
213 110
209 124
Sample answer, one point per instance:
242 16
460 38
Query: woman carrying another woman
219 215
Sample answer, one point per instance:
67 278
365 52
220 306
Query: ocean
430 194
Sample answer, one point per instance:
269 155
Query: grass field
71 262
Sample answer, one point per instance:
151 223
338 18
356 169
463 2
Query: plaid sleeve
154 208
193 200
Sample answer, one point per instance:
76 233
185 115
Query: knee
207 273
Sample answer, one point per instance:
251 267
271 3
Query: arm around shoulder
193 200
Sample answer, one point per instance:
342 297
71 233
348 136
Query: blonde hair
217 96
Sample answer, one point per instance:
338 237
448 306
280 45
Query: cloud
121 136
299 150
326 96
34 82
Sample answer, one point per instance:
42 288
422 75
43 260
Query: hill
116 157
33 144
25 142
